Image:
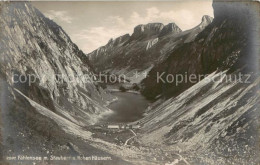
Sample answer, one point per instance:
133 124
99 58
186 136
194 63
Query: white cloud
114 26
59 16
95 37
183 18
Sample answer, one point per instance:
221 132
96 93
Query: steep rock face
244 14
33 45
155 42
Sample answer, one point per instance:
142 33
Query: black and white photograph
130 82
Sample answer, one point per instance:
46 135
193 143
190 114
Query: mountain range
148 45
204 122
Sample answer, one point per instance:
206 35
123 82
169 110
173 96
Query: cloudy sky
91 24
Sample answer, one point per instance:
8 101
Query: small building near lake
113 126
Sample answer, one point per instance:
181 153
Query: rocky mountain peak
170 28
110 41
147 30
121 39
118 40
205 21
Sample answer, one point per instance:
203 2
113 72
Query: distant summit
170 28
206 20
148 30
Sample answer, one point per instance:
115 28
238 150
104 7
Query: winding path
130 137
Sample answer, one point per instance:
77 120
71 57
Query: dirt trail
130 137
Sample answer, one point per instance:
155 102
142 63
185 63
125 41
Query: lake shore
128 107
